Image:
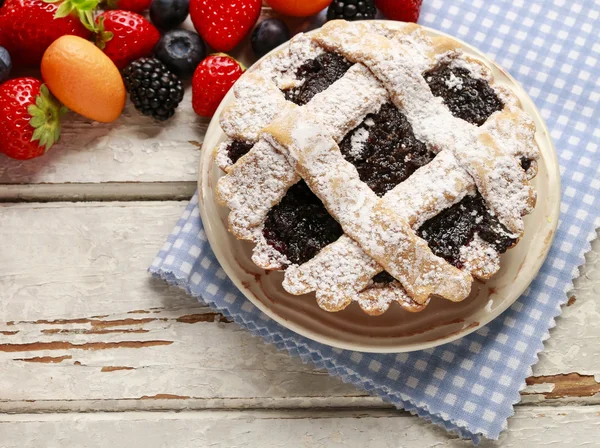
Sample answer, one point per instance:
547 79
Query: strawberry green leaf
36 122
83 8
46 114
85 5
64 10
102 36
88 21
56 136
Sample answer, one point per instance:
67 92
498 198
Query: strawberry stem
46 115
102 36
83 8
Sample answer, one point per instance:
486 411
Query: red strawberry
125 36
212 79
129 5
28 27
224 23
404 10
30 119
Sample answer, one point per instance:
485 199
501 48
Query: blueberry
315 22
181 51
5 64
269 34
167 14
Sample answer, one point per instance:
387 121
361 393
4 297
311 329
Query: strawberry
129 5
125 36
28 27
212 79
30 122
404 10
224 23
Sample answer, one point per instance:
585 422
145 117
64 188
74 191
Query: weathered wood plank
82 261
133 150
83 327
531 427
106 191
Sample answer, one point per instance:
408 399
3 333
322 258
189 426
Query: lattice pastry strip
427 52
501 136
381 233
416 205
260 178
496 173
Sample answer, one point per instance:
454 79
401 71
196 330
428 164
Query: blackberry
153 89
351 10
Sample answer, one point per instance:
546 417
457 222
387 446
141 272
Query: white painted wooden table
95 353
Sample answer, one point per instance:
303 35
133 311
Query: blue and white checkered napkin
468 386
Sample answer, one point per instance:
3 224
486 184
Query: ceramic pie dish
396 329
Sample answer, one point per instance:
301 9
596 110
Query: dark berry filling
318 75
300 225
384 149
237 149
383 278
456 226
525 163
385 152
470 99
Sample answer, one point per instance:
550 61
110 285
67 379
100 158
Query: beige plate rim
214 135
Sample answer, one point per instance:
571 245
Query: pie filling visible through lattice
377 165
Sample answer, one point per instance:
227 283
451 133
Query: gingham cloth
468 386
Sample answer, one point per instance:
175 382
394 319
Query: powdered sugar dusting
453 82
376 299
352 267
340 272
498 178
255 183
381 233
281 68
518 140
358 140
258 100
432 188
222 157
265 256
346 103
480 258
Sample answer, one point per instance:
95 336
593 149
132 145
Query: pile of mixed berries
92 53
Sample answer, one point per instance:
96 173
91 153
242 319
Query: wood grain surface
561 427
